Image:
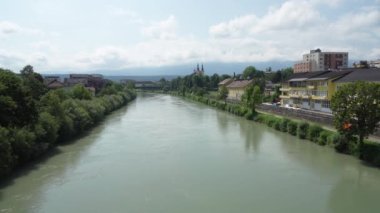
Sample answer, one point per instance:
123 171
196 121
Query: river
165 154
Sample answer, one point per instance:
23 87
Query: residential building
314 90
53 82
225 82
317 60
375 63
95 81
236 89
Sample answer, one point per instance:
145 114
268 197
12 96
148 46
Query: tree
356 109
249 72
80 92
223 93
33 82
252 96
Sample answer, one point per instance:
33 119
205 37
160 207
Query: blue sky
86 35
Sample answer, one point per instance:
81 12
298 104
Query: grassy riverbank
369 152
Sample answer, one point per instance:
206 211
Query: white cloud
284 32
291 14
166 29
7 27
127 14
234 28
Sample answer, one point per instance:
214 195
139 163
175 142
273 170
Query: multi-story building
311 90
237 88
317 60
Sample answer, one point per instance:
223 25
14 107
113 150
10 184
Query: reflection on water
164 154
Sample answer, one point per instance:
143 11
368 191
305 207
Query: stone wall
322 118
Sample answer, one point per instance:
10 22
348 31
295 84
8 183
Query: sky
85 35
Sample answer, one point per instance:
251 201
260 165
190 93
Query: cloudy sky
118 34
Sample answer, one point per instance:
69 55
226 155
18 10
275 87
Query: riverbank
62 118
369 151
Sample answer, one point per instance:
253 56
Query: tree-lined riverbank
34 119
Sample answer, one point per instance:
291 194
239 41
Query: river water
165 154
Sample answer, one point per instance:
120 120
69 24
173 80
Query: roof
329 75
302 76
371 74
225 81
239 84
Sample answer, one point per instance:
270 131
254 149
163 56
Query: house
53 82
236 89
270 88
95 81
225 82
314 90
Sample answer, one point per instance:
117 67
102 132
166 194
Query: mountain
185 69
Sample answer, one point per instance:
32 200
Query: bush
292 127
303 130
284 125
370 152
277 124
323 137
345 144
314 132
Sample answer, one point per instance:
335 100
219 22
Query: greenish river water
165 154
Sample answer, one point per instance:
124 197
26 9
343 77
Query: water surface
164 154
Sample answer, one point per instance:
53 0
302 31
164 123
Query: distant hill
185 69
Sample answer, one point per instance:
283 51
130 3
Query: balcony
284 96
285 89
311 87
315 97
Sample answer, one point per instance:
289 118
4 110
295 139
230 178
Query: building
225 82
314 90
198 71
95 81
236 89
147 85
375 63
53 82
317 60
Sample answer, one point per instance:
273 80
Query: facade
317 60
311 90
314 90
375 63
91 81
236 89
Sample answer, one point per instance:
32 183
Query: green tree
33 82
249 72
17 106
356 109
223 93
80 92
252 96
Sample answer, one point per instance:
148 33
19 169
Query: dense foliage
34 119
356 109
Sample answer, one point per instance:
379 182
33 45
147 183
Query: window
326 104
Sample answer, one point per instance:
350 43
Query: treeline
202 84
34 119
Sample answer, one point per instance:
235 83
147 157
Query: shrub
284 125
370 152
277 124
314 132
292 127
302 130
323 137
345 144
